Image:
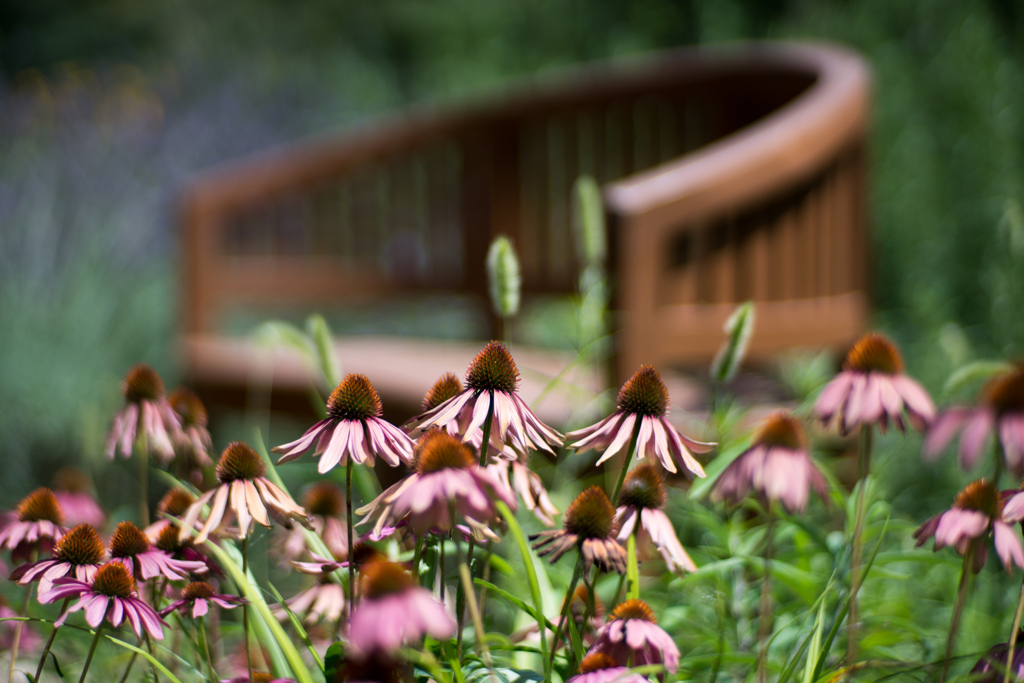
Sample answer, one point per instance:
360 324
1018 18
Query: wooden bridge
729 174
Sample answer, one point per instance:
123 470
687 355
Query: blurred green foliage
106 106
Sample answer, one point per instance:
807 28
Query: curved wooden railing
729 174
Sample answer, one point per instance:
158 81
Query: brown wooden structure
728 174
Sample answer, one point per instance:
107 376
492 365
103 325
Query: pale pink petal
972 440
942 431
1008 545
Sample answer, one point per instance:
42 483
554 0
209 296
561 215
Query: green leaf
977 371
277 332
477 671
815 651
739 327
152 660
334 659
297 625
323 342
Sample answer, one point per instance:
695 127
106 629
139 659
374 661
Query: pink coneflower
446 478
1000 412
193 417
641 511
977 512
599 667
78 553
246 493
75 493
632 637
394 612
589 526
196 598
872 390
644 400
175 503
991 667
353 428
777 467
492 381
112 595
130 546
324 502
515 476
146 408
324 600
38 525
184 549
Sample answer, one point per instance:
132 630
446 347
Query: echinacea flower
178 548
1000 412
977 512
872 390
632 637
353 429
394 612
992 666
578 610
75 493
111 595
196 598
38 525
641 511
492 381
599 667
589 526
642 400
130 546
175 503
246 493
515 476
193 417
324 600
446 478
78 553
146 411
777 467
324 502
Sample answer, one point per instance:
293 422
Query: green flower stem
577 572
152 660
474 609
245 606
858 545
128 669
348 526
531 576
49 643
633 565
486 437
92 648
1013 635
958 608
629 459
143 444
19 629
764 626
205 653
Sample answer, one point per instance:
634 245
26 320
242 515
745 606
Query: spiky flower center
354 399
597 661
781 431
80 546
365 554
1005 392
633 609
591 515
128 541
981 496
40 506
115 580
239 461
439 450
643 488
644 394
142 383
175 502
874 353
382 578
324 499
197 590
445 388
189 407
493 370
168 541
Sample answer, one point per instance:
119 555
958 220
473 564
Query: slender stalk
440 566
348 526
128 669
18 630
958 608
474 609
856 556
206 649
625 465
764 625
143 443
417 554
485 438
49 643
1015 630
245 606
92 648
577 572
152 663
